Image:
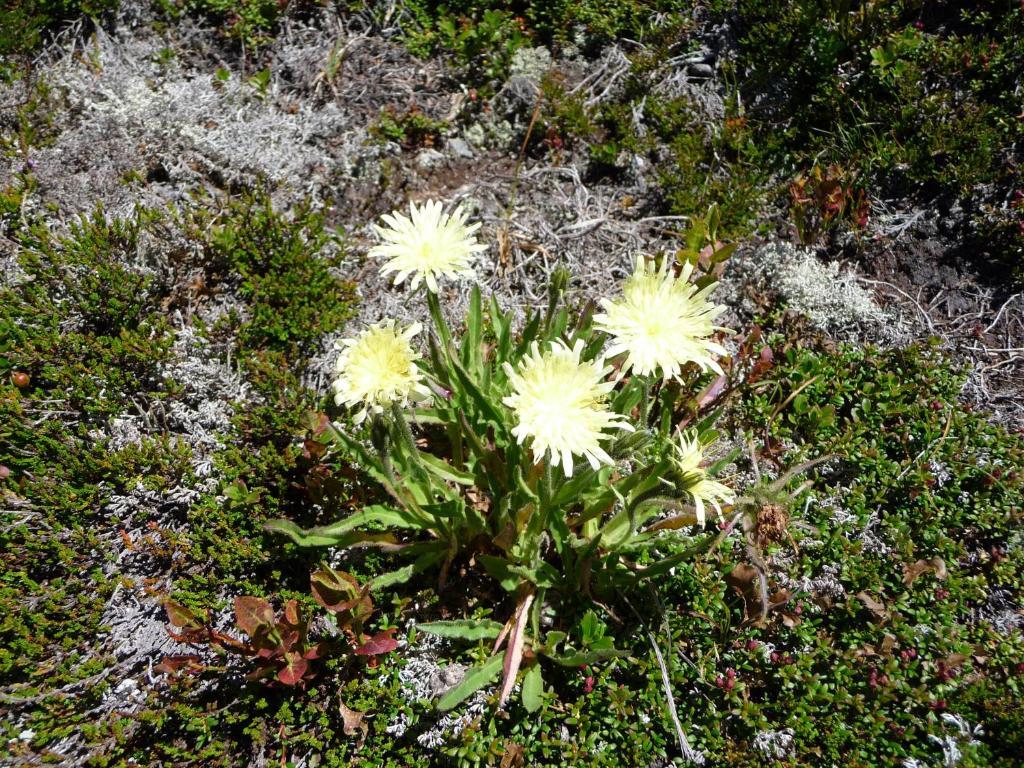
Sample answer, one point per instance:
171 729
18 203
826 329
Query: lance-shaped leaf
337 534
463 629
533 689
475 679
445 471
514 652
434 554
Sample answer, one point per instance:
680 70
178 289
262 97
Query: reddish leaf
291 612
180 616
172 665
335 590
746 580
294 670
288 640
382 642
713 390
190 636
315 652
253 614
514 652
765 361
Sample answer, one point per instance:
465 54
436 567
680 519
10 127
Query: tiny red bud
20 379
588 684
753 645
775 657
5 472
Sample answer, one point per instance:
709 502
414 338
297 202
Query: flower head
378 368
688 457
561 404
662 322
427 243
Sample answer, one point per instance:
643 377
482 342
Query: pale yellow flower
561 405
662 322
378 368
427 244
688 457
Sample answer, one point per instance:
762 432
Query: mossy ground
899 591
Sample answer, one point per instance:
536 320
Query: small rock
429 159
460 148
516 98
700 71
446 678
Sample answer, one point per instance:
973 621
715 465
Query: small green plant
412 129
279 645
822 199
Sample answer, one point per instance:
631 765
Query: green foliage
26 24
480 39
285 269
412 129
542 532
83 337
471 29
909 98
250 23
80 338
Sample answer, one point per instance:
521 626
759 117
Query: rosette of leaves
462 486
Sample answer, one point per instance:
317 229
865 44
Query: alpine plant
564 458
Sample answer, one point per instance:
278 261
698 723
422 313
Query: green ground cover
894 573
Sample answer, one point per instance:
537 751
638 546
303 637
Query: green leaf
435 552
334 534
475 679
490 412
472 340
446 471
533 689
500 569
551 642
464 629
587 657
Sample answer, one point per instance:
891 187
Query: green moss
412 129
250 23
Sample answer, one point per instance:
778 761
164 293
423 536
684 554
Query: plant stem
440 324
